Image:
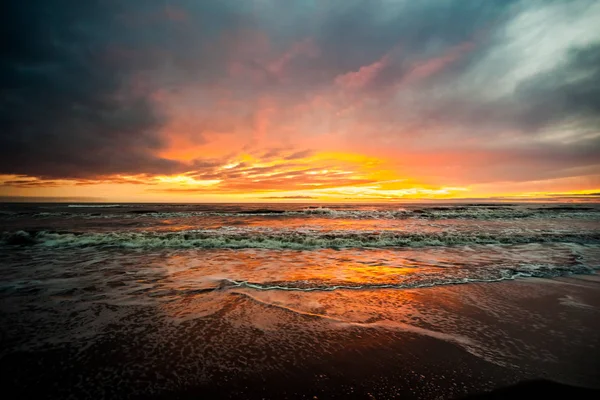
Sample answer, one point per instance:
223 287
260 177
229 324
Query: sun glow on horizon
326 177
280 175
186 180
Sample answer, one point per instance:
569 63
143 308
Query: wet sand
439 342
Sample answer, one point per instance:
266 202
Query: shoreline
447 342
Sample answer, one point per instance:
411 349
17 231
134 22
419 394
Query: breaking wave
288 239
470 212
478 276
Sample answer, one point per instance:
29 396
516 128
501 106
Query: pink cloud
432 66
360 78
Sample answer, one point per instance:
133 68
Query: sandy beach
443 342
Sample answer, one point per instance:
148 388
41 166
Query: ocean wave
94 205
425 213
486 276
304 239
442 277
459 212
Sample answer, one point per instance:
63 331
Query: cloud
570 91
289 197
78 80
574 194
63 110
364 75
50 199
299 154
452 92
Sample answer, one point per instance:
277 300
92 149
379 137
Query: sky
299 100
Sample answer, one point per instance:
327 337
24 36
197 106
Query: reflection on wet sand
178 324
510 326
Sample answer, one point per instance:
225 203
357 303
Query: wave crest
287 239
472 212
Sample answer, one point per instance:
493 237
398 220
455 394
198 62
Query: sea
134 300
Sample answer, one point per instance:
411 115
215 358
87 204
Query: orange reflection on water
347 273
349 285
293 269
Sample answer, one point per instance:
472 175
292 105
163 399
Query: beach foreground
444 342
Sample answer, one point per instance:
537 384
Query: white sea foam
299 239
572 301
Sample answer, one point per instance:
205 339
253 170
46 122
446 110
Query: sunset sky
312 100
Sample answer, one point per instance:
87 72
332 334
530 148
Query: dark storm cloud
75 97
62 111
